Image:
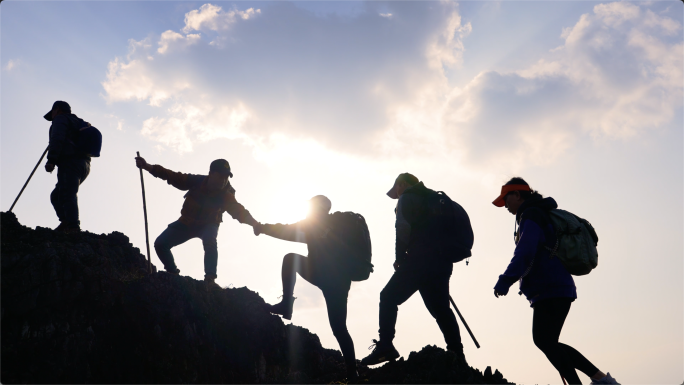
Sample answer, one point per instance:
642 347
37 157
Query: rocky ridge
84 308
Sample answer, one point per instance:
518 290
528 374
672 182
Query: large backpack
445 225
353 244
89 141
576 242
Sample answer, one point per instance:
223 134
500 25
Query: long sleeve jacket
202 206
540 275
63 136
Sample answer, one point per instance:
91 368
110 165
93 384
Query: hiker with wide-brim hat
334 242
546 283
73 167
208 197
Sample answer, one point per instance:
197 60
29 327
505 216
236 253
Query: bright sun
289 209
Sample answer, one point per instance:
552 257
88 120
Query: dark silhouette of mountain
83 308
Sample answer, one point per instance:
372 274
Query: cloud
377 85
327 78
214 18
617 75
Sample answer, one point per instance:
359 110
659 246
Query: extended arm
238 211
176 179
292 233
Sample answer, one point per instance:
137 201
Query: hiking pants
70 174
547 322
335 291
432 281
178 233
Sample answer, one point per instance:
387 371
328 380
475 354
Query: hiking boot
60 227
173 271
352 373
460 356
70 229
283 308
383 351
605 380
210 279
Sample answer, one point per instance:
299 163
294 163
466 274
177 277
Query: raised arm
176 179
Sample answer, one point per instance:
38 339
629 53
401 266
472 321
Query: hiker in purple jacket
544 280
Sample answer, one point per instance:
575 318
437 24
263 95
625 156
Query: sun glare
289 209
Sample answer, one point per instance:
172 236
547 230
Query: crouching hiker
544 279
432 232
202 213
339 253
72 160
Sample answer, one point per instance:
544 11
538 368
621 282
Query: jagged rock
84 308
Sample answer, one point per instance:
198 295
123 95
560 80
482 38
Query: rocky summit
85 308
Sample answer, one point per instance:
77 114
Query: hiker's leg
336 302
208 234
580 362
54 199
293 264
400 288
73 173
435 292
175 234
547 322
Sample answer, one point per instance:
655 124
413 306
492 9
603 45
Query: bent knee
161 244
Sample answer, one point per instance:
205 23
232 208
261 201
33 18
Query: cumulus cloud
375 84
327 78
616 75
214 18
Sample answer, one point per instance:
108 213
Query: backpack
353 244
89 141
576 242
448 226
441 223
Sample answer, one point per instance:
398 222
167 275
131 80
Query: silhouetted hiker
545 282
420 265
207 198
73 166
329 239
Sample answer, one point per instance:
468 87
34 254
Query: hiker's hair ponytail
524 194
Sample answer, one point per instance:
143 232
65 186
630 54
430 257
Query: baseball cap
64 106
505 189
221 166
405 177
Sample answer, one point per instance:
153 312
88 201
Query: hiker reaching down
339 253
544 279
207 198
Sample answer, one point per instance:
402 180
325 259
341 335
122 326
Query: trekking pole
464 323
147 237
29 178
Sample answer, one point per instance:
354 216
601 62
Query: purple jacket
546 278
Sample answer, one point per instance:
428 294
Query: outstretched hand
49 167
498 293
257 228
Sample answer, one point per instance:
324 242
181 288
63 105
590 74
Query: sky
583 99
